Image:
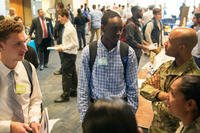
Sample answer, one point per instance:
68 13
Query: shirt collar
6 70
18 67
100 45
67 23
191 125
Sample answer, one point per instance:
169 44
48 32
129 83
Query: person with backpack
20 94
108 67
80 22
152 31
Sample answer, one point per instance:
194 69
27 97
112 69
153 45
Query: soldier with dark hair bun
184 103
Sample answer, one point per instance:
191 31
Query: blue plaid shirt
107 79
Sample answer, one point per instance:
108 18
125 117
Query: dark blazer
36 26
31 56
58 31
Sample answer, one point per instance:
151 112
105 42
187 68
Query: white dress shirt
196 49
31 105
69 39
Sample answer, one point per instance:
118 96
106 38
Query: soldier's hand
17 127
155 81
163 96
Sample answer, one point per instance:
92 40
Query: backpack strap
93 53
28 68
124 47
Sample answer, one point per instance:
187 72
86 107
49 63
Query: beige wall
18 5
46 4
74 3
27 12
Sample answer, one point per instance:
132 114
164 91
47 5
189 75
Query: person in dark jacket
79 22
31 56
43 36
58 32
133 33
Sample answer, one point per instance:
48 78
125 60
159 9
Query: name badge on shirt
102 61
20 89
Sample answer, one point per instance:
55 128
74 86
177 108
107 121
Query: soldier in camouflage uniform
184 103
179 45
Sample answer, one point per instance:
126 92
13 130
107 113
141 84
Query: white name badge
102 61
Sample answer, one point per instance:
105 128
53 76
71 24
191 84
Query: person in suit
43 36
31 56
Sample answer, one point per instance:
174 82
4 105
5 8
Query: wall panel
18 5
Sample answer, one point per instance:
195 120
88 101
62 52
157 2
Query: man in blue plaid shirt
107 77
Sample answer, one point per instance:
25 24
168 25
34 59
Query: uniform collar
187 66
195 123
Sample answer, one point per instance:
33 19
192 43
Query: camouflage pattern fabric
161 80
194 127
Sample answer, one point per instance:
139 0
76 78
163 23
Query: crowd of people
107 84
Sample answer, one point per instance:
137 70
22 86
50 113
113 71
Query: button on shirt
107 78
69 39
30 105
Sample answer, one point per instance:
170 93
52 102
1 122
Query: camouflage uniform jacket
194 127
163 122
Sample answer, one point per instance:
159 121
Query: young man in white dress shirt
13 48
69 50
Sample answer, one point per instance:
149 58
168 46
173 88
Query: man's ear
102 28
1 46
